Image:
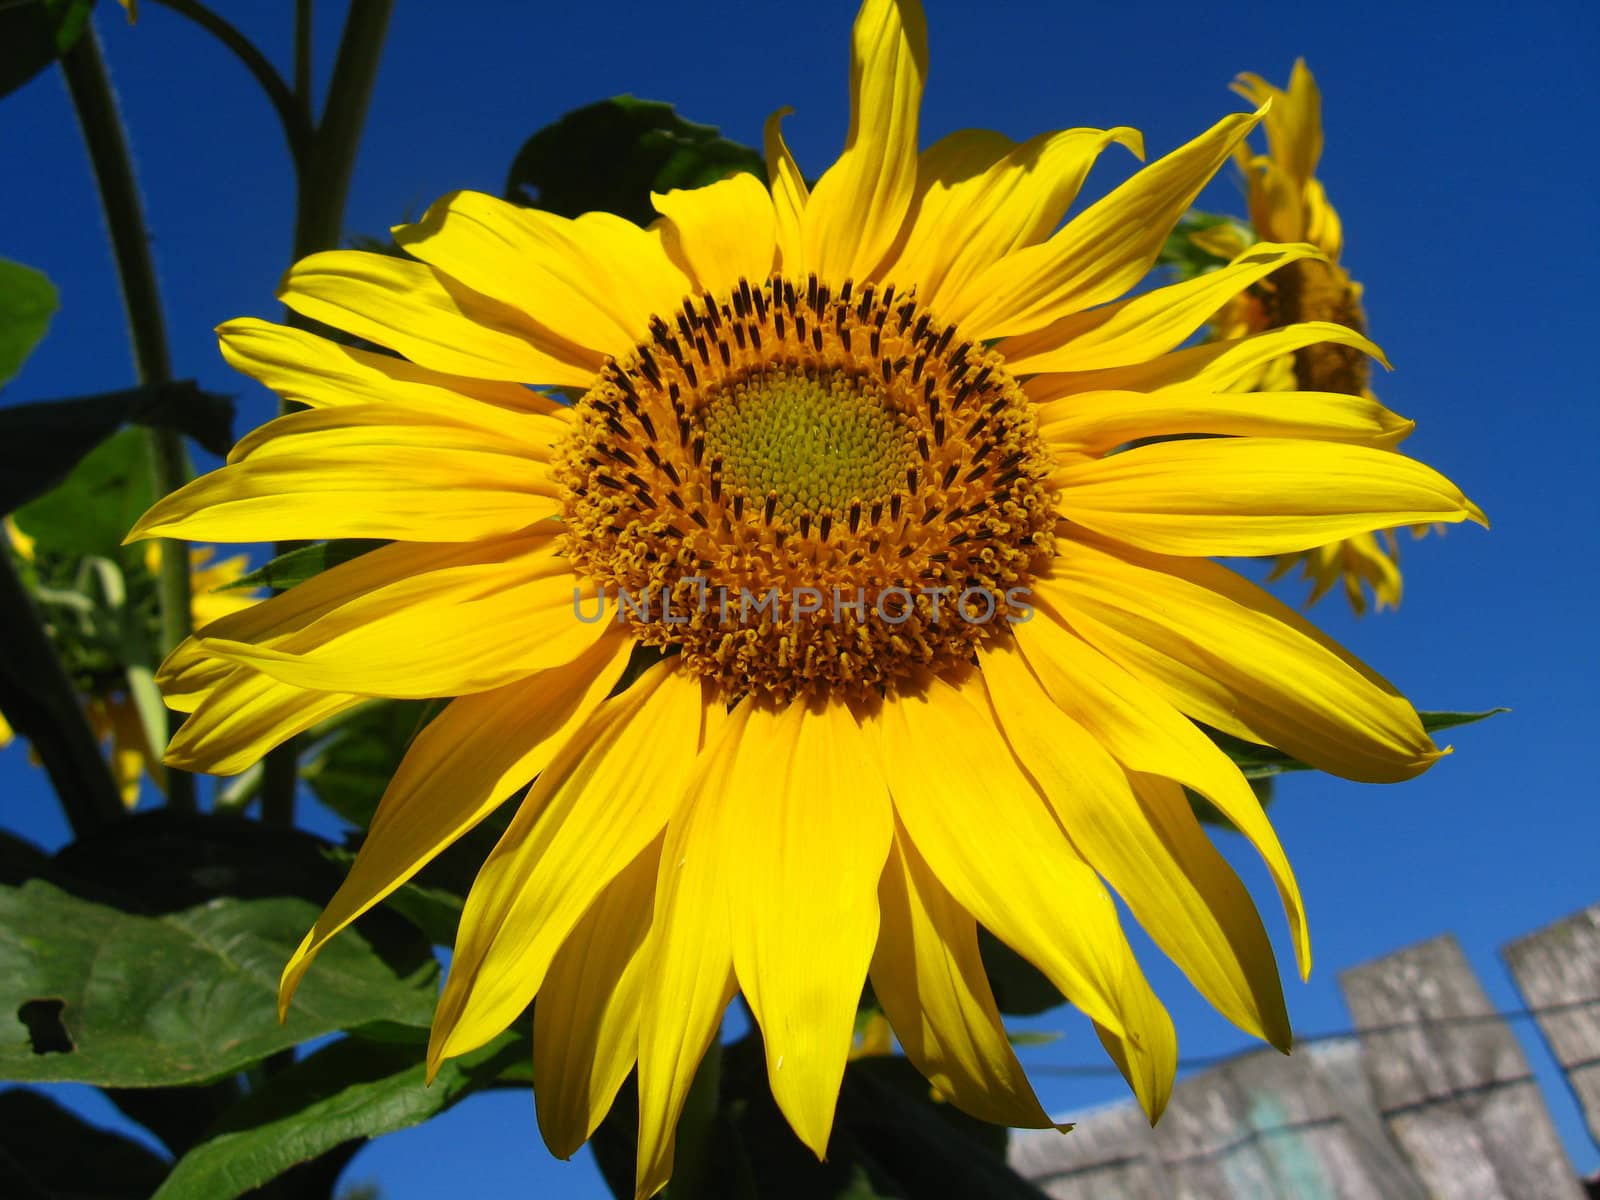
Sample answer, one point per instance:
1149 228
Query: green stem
697 1127
90 88
294 119
38 701
319 219
303 19
326 185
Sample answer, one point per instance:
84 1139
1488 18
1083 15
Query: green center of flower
817 440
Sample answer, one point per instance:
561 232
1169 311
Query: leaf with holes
96 995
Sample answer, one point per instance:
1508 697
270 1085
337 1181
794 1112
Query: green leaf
609 156
353 1089
1262 762
97 995
40 443
1186 258
49 1152
349 771
34 33
27 302
94 508
299 565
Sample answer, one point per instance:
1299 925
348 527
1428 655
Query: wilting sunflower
832 621
1287 203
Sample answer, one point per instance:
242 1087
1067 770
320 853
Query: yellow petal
690 976
462 766
1225 652
594 809
1214 366
449 646
1008 863
1146 734
1107 248
720 233
1294 122
1203 919
314 371
855 212
809 831
789 195
1095 423
586 1024
1246 496
244 714
1149 324
1005 860
1150 1063
436 485
593 280
433 320
374 428
980 196
928 976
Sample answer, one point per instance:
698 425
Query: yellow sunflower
911 641
1287 203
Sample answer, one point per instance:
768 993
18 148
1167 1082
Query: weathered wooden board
1451 1081
1110 1154
1559 967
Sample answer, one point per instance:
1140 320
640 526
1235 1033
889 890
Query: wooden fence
1431 1097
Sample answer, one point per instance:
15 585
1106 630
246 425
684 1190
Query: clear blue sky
1459 155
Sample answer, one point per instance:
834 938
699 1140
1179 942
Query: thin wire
1213 1060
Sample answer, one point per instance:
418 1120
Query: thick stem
37 700
90 88
319 220
326 185
303 19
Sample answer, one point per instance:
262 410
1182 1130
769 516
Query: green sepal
303 563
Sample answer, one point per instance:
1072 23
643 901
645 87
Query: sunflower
1287 203
835 619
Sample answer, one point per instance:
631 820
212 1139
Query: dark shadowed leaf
918 1149
92 511
350 768
34 33
27 302
609 156
351 1090
40 443
200 983
298 565
49 1153
1020 990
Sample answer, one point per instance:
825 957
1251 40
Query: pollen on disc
782 440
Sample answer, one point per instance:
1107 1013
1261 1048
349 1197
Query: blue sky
1456 154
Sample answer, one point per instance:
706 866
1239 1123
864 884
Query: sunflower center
818 441
803 492
1310 290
